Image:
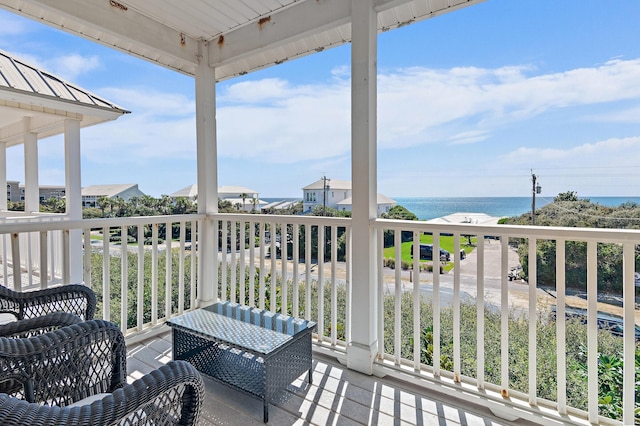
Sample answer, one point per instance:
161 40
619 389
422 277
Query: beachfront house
91 194
337 194
325 193
364 318
383 202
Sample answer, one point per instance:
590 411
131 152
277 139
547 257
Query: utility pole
325 187
536 189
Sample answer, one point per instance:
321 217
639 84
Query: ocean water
432 207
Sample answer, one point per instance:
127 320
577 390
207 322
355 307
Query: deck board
338 396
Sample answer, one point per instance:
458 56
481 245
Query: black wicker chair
63 366
47 379
38 325
77 299
170 395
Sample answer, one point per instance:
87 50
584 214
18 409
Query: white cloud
299 122
276 121
9 25
160 126
472 136
609 153
68 67
150 102
623 115
421 105
281 122
72 65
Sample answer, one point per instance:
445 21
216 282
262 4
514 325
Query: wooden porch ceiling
241 35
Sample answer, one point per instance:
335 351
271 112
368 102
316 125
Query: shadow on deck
337 396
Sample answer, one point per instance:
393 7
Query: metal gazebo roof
26 91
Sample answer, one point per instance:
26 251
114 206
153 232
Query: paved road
518 290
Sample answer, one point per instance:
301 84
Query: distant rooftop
192 190
331 183
380 199
106 190
475 218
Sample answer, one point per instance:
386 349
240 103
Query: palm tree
254 201
102 202
244 198
165 203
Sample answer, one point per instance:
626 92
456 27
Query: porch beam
207 169
363 346
107 21
304 19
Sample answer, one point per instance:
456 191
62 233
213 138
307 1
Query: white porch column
3 176
73 193
207 175
363 346
31 186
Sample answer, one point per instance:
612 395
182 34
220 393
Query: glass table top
241 326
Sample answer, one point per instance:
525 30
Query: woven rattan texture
72 298
207 340
170 395
65 365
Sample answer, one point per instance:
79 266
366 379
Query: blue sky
469 104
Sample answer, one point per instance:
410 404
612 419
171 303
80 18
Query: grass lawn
446 242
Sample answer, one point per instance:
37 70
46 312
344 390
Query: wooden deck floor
338 396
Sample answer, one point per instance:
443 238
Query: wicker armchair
38 325
170 395
77 299
63 366
76 375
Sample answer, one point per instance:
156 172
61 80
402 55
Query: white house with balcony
325 192
384 204
337 194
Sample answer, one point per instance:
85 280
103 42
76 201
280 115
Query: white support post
31 186
207 156
3 176
363 346
73 195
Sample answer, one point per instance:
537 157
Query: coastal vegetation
568 210
609 346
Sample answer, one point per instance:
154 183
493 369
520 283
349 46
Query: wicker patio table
257 352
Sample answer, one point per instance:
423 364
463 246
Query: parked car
606 321
426 252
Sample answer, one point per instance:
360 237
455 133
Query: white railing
250 274
259 254
499 297
163 283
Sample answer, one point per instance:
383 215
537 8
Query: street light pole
324 195
536 189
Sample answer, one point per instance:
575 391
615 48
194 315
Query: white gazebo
34 105
216 40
